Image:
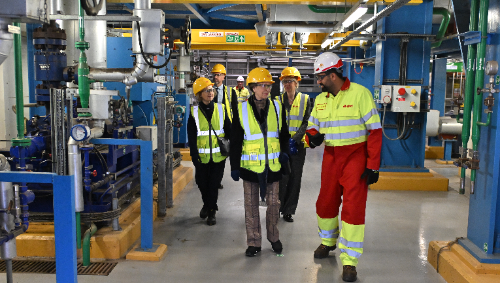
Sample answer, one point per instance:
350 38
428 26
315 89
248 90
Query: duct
142 4
7 223
382 14
264 27
6 39
127 76
95 34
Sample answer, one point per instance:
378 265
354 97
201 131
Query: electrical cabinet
402 98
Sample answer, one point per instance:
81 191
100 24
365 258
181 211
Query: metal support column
165 154
58 127
169 114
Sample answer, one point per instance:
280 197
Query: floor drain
49 267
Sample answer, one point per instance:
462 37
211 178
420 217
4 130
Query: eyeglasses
320 77
210 90
218 75
288 81
265 86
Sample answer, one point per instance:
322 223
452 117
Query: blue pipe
25 195
86 180
16 232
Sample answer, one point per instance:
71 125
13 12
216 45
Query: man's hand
370 175
315 140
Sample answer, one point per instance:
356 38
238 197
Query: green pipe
469 88
444 24
86 244
18 69
488 120
480 62
335 10
78 231
83 68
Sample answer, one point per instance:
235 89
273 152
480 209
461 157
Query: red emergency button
402 91
94 173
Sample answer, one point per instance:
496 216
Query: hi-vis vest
242 94
228 105
296 115
207 141
346 118
255 147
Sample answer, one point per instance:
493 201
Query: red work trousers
341 176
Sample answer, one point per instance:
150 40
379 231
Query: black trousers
208 178
290 184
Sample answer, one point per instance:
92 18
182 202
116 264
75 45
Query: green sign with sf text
235 38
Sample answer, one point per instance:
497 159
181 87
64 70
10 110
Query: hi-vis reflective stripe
301 109
341 123
205 133
246 125
207 150
350 244
328 234
313 120
277 107
197 120
351 253
373 126
348 135
259 157
370 114
295 129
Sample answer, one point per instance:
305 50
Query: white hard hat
327 61
240 79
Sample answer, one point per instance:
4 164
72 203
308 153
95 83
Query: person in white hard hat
346 119
241 92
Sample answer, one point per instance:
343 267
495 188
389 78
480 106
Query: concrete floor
399 227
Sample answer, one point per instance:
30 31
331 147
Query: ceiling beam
195 9
220 7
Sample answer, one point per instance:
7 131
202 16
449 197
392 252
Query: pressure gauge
80 132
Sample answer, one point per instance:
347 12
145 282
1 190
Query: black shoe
221 187
277 247
252 251
322 251
349 274
211 218
203 213
288 217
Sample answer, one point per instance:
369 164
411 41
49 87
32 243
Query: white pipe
127 76
142 4
6 39
75 168
55 7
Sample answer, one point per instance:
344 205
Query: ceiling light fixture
356 12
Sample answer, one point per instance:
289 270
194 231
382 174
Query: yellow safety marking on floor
186 155
434 152
405 181
137 254
39 241
305 2
444 162
459 266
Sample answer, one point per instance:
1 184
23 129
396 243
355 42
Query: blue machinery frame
64 218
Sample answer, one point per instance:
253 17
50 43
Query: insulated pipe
479 82
75 168
469 90
127 76
264 27
142 4
6 39
55 7
96 35
7 219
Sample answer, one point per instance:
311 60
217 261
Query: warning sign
235 38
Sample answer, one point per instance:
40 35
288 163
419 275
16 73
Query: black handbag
223 142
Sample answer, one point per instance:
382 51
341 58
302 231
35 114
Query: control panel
402 98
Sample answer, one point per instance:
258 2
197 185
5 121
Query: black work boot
349 274
252 251
288 217
203 213
322 251
211 218
277 246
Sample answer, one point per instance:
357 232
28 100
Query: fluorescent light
326 42
354 14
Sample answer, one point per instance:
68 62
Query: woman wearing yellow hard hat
208 120
259 145
298 110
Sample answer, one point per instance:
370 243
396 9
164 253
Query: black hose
144 55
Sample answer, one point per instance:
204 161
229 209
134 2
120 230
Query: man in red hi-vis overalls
346 119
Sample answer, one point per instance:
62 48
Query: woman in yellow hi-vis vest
259 144
298 110
207 121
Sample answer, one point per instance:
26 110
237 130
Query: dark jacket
237 136
192 130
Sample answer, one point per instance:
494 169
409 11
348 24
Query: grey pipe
7 220
264 27
75 168
17 203
142 4
127 76
6 39
55 7
8 264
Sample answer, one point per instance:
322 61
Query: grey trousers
252 216
290 184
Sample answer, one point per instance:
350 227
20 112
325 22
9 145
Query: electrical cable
144 55
145 116
383 123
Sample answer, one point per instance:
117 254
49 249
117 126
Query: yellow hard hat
290 72
219 68
200 84
259 75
